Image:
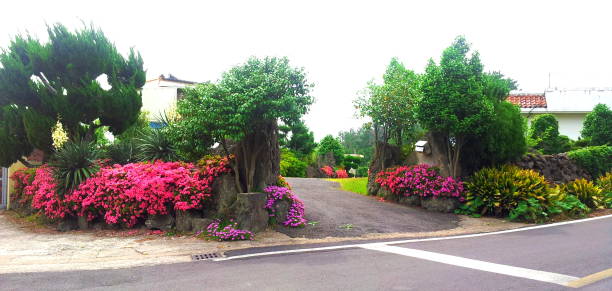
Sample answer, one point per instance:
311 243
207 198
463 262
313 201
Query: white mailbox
422 146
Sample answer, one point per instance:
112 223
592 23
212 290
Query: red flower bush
341 174
329 171
21 179
420 180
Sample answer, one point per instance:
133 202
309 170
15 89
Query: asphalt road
336 213
539 259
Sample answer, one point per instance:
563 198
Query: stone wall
556 168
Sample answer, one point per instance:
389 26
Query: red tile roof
528 100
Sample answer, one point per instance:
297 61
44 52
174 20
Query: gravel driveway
332 212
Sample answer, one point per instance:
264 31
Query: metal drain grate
205 257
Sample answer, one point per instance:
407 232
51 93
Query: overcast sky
343 44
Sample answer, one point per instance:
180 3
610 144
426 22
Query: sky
343 44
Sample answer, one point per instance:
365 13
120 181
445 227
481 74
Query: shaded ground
332 212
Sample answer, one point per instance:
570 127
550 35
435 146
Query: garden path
332 212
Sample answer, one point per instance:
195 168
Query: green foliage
291 166
561 203
597 125
455 103
121 152
544 135
360 141
138 129
362 172
13 140
352 162
497 191
597 160
330 144
585 191
156 146
503 142
605 184
57 79
301 140
380 102
74 163
529 210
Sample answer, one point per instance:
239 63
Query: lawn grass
356 185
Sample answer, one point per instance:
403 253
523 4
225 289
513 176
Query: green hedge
597 160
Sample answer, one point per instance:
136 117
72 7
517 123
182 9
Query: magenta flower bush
126 194
328 171
295 215
228 231
420 180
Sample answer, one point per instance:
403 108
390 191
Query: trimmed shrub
597 160
328 171
544 135
597 127
291 166
420 180
341 174
585 191
329 144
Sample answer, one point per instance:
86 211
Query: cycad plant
121 152
156 145
73 163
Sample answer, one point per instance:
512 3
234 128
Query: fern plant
73 163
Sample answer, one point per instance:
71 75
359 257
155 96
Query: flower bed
295 214
420 180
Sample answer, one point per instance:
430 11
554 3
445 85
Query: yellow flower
59 135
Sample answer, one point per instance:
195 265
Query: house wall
156 100
570 124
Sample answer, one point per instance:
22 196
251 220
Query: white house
570 107
161 94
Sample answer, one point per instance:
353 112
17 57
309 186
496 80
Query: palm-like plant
157 146
74 163
121 152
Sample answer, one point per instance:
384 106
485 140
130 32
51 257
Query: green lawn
356 185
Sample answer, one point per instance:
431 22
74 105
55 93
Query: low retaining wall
558 168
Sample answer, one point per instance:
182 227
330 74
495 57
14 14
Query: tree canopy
330 144
455 104
244 107
41 83
297 138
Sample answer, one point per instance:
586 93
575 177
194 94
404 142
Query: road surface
550 257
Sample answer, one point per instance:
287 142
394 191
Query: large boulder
440 204
251 213
225 192
161 222
410 200
281 209
200 224
558 168
184 220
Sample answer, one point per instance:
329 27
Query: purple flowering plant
295 215
228 230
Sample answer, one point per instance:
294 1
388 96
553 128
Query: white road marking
351 246
537 275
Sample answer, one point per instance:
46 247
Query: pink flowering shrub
227 231
127 194
295 215
340 173
329 171
21 179
420 180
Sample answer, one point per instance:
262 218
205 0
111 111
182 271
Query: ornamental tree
544 135
241 113
597 125
297 138
330 144
391 105
43 83
454 104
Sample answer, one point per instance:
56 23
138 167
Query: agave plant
73 163
156 146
